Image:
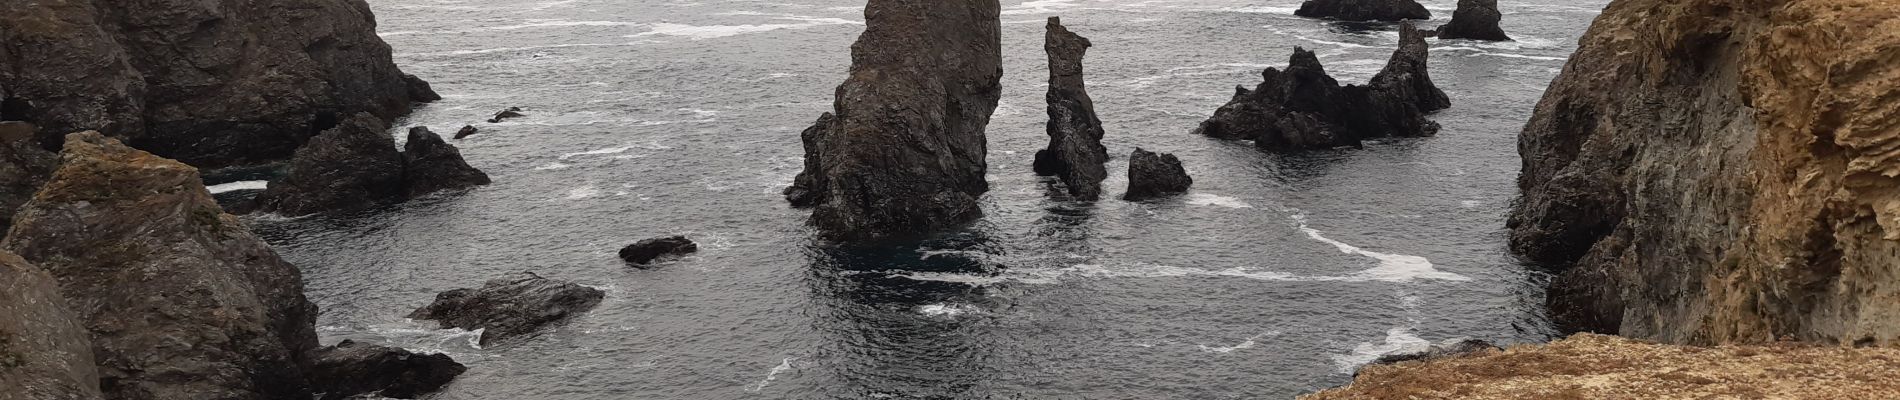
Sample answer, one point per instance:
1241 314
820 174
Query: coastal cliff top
1589 366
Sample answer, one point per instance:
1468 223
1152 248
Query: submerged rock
349 369
431 164
1154 175
510 307
44 350
467 130
1475 19
211 83
181 300
1075 151
511 112
352 167
24 166
904 153
1364 10
646 251
1304 108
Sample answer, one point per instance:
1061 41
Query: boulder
181 300
1364 10
212 83
1303 108
1153 175
1448 349
510 307
646 251
1075 152
904 152
349 369
44 350
511 112
467 130
24 166
431 164
1475 19
351 167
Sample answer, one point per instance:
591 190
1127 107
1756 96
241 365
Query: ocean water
1277 275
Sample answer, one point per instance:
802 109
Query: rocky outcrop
1450 349
510 307
1364 10
645 251
1475 19
349 369
467 130
1303 108
181 300
24 166
1706 172
511 112
211 83
1153 175
1589 366
356 166
431 165
903 150
44 353
1075 152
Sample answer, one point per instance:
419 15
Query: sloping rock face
1364 10
351 167
181 300
431 165
1709 171
509 307
1475 19
44 352
903 151
1075 151
350 368
1303 108
24 166
211 83
1153 175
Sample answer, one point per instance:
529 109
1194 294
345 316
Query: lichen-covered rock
904 153
1075 152
1475 19
645 251
45 353
1364 10
351 167
510 307
431 165
24 166
211 83
1303 108
349 369
182 301
1709 171
1153 175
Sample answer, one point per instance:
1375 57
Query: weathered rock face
1075 151
509 307
349 369
645 251
431 165
1475 19
151 263
1710 171
1302 108
1152 175
351 167
1364 10
903 152
212 83
44 350
24 166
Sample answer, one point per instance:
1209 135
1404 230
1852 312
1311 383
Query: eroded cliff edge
1708 171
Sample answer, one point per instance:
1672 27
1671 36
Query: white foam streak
1392 267
1243 345
1396 340
783 366
697 32
236 186
1210 199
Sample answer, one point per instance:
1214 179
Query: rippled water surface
1276 276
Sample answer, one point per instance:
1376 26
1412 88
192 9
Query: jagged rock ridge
903 151
356 166
1075 152
1303 108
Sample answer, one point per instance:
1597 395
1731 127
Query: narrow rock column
1475 19
1075 151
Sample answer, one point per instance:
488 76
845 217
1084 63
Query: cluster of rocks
1303 108
356 165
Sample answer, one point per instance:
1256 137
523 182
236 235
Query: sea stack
1476 20
1734 181
1075 152
1154 175
1303 108
903 151
211 83
1364 10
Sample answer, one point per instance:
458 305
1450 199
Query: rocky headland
903 151
1303 108
1075 153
